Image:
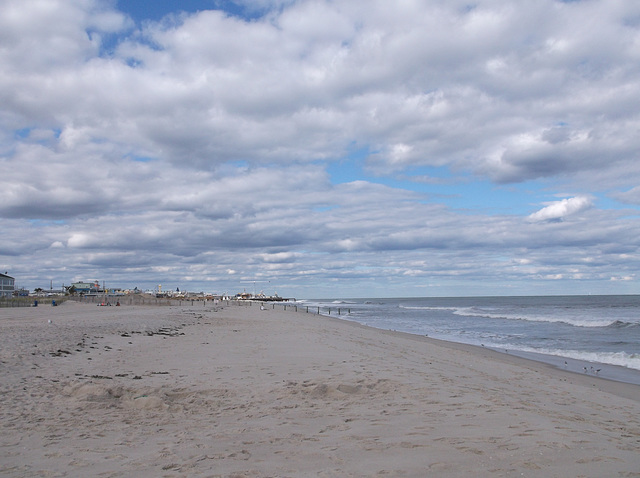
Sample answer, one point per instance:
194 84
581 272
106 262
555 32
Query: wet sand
242 392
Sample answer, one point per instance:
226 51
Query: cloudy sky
320 148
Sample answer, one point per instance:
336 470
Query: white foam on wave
469 312
621 359
409 307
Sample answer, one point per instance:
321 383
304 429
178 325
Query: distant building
87 287
7 285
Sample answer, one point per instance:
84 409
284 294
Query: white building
7 285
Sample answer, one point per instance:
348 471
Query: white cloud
214 88
79 240
560 209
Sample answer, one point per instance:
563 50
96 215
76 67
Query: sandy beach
235 391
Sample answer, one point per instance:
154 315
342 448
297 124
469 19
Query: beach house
7 285
87 287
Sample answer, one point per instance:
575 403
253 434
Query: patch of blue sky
604 201
26 133
465 193
140 159
470 195
23 133
145 10
353 168
346 171
108 42
133 63
484 197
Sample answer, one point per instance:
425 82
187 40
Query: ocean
594 334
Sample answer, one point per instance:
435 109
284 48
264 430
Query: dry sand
240 392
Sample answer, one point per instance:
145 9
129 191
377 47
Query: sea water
593 334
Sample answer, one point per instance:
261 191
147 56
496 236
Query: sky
322 148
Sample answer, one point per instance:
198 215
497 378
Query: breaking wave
573 321
621 359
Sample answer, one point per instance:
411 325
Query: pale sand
243 392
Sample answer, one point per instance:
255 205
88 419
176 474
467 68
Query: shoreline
616 373
236 391
540 362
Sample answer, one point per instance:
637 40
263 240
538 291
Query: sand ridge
236 391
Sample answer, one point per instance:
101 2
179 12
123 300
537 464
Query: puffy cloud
45 34
209 87
561 209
